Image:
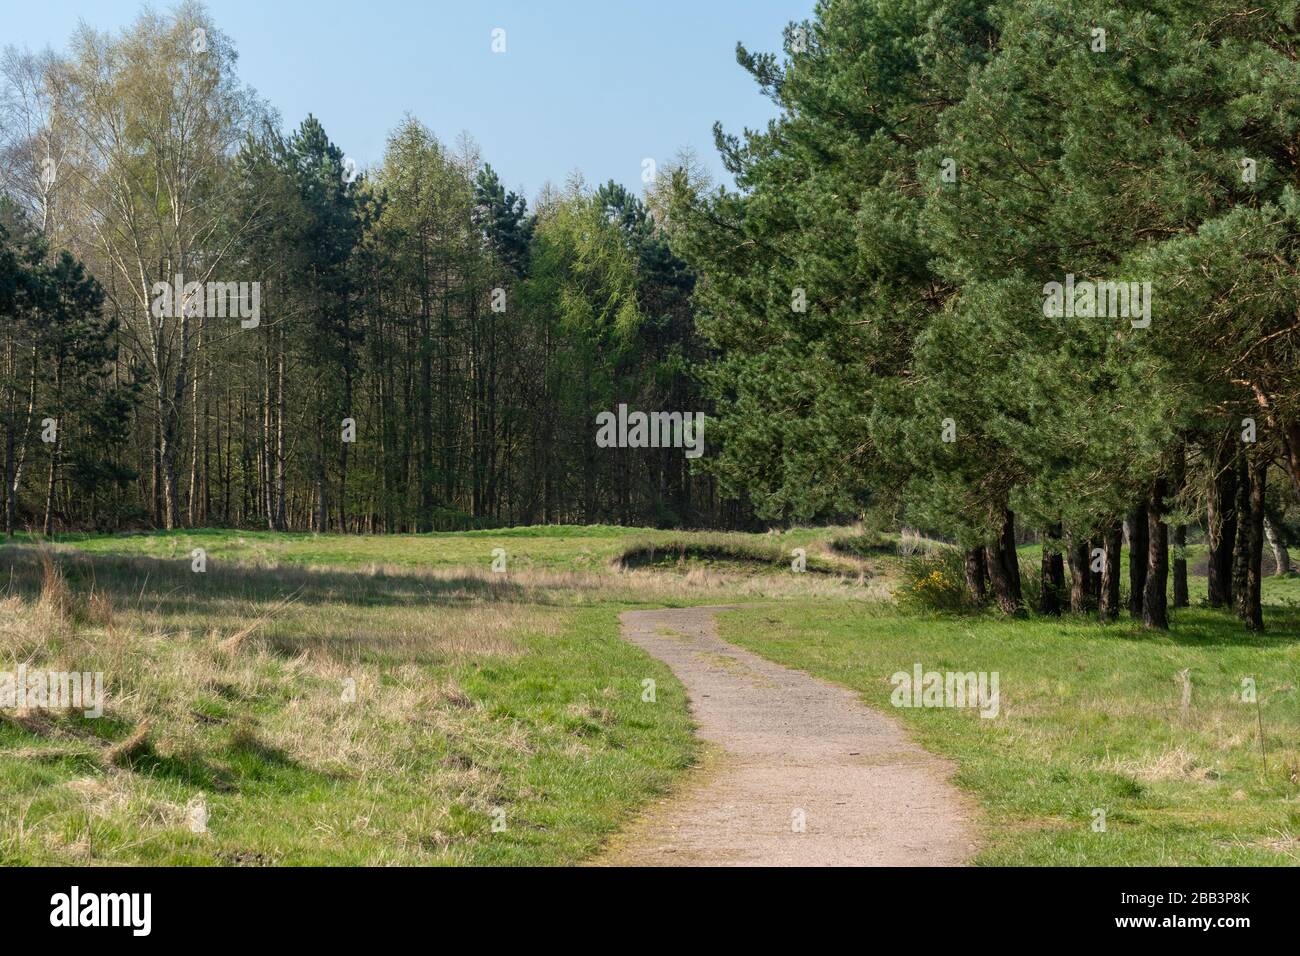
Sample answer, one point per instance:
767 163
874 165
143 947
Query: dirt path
782 744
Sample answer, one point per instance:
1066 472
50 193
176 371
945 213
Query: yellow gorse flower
935 580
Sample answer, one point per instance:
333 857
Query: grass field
542 548
360 700
375 719
344 700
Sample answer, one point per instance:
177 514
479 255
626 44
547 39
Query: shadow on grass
171 587
244 764
1188 627
1211 627
736 556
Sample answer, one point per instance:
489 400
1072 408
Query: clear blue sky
593 85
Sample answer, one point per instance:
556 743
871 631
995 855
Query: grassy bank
541 548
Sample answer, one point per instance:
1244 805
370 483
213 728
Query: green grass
478 701
484 697
542 547
480 698
549 547
1090 718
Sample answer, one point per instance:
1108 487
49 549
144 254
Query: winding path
786 749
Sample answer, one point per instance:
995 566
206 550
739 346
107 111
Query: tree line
405 348
884 290
1006 270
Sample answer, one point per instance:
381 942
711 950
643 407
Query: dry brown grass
1175 763
355 676
56 597
100 610
232 644
123 752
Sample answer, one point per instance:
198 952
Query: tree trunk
424 521
1137 560
167 460
1004 566
1251 610
192 515
1291 453
11 491
322 481
1180 566
279 523
155 474
1053 576
976 575
1079 574
1221 527
1110 574
266 498
1241 546
1094 573
16 454
446 437
343 454
173 417
47 526
1154 599
1281 556
55 447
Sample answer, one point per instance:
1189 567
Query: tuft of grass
122 753
55 598
233 643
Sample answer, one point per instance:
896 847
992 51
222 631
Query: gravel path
785 749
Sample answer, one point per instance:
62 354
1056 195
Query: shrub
935 580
